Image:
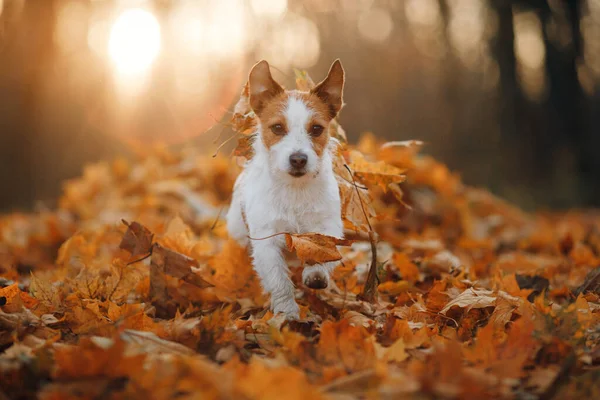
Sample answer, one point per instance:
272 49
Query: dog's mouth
297 173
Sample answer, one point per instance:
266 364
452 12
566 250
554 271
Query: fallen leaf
137 239
472 298
375 173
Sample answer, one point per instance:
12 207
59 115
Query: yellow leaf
396 352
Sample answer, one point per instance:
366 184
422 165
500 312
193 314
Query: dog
289 184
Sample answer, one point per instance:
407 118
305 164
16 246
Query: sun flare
134 41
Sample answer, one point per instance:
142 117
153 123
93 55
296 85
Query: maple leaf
315 248
375 173
13 295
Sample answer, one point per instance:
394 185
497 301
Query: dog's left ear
330 90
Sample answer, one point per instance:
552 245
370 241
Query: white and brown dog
289 185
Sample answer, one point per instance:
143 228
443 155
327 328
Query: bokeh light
375 25
295 41
423 12
590 29
135 40
530 53
269 8
226 30
426 25
467 29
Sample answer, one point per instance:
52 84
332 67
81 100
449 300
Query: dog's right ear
262 86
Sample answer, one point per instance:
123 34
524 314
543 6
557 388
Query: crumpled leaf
472 298
243 120
315 248
375 173
137 239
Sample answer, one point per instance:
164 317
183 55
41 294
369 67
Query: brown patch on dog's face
271 115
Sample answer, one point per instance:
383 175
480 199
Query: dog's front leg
271 267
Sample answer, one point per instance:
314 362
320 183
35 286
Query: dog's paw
316 279
289 308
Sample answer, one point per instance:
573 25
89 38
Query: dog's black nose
298 160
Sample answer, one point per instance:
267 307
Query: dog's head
295 125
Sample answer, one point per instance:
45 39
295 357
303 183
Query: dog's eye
278 129
316 130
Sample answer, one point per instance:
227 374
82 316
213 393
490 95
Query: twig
214 225
235 134
141 258
270 236
590 280
371 285
370 289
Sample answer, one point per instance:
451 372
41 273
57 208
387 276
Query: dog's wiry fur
277 194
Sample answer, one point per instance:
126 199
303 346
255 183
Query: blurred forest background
507 93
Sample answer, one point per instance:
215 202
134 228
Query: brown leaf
137 239
243 119
176 265
472 298
315 248
244 147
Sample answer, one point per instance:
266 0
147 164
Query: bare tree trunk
25 58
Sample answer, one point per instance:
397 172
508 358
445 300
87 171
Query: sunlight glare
269 8
134 41
71 26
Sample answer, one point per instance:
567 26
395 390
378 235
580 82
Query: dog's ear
330 90
262 86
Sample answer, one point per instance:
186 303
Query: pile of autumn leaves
132 289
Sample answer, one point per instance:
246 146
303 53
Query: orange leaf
315 248
375 173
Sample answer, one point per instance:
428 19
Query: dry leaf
137 240
314 248
375 173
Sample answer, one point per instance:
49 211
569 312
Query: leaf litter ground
129 289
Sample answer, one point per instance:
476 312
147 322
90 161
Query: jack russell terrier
289 184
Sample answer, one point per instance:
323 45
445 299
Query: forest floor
132 289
